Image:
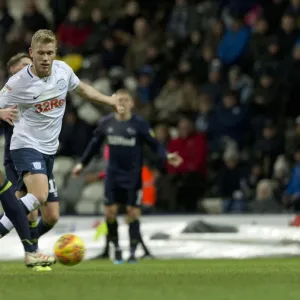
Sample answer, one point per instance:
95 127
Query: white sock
5 221
31 202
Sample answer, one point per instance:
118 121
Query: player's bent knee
37 185
52 219
110 213
133 212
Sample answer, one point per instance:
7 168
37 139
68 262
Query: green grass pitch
261 279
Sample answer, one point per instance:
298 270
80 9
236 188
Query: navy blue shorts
128 197
30 160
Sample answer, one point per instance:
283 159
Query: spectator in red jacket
73 33
190 175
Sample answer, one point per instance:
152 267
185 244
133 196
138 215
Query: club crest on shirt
62 84
131 131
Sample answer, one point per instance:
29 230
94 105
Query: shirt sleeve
9 94
73 79
94 145
148 137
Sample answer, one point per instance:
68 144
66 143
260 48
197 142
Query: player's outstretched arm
90 151
88 92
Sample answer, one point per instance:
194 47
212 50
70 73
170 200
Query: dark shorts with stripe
30 160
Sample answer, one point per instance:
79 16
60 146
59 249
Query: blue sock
134 235
33 226
113 236
43 227
3 230
16 213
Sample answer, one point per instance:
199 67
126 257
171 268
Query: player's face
20 65
124 104
43 56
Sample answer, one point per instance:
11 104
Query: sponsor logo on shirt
48 105
121 141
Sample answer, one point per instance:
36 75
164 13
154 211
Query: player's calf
134 230
50 216
113 234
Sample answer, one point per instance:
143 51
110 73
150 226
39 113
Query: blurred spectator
265 201
136 54
182 19
33 19
293 137
272 59
234 44
230 120
258 42
156 61
267 100
161 132
194 47
215 85
60 10
230 178
292 193
273 11
6 20
204 114
168 101
99 31
268 147
287 33
73 32
146 92
200 66
215 35
294 10
251 180
124 27
281 174
189 96
292 81
240 83
75 135
112 53
190 175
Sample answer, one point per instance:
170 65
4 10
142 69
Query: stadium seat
92 199
62 166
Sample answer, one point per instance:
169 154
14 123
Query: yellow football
69 250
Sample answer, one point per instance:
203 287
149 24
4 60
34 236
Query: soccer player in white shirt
50 214
39 91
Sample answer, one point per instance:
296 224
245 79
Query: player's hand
174 159
77 170
9 114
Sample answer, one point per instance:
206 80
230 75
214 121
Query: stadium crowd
217 80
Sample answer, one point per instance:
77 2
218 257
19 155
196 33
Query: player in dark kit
125 134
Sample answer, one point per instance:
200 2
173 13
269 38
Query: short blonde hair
124 92
43 36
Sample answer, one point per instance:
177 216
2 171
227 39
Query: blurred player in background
40 91
49 215
125 134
